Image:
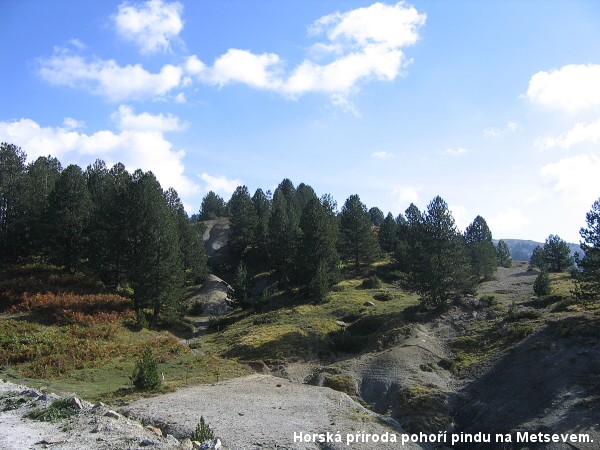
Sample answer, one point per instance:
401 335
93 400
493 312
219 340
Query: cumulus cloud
580 133
361 44
459 212
220 183
576 176
356 46
458 151
382 155
107 78
126 119
151 25
406 194
507 222
572 88
135 146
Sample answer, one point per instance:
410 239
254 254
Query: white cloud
406 194
571 88
393 26
580 133
126 119
73 124
510 127
107 78
507 222
459 151
151 25
243 66
382 155
576 176
459 212
220 183
361 44
145 149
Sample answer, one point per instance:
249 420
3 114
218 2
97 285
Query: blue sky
494 105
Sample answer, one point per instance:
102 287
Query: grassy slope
68 339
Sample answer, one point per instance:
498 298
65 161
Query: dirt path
263 412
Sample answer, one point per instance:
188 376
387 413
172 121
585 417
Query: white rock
112 414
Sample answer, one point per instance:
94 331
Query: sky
493 105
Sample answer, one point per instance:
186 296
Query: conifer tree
304 194
262 206
110 244
156 271
440 269
243 220
39 183
503 254
482 252
283 236
357 241
588 277
557 254
12 182
376 216
212 207
191 244
538 258
318 257
69 211
388 233
241 284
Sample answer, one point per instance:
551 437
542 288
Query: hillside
521 249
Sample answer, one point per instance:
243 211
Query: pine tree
376 216
318 257
538 258
241 284
191 244
12 181
284 235
39 183
541 285
212 207
357 241
243 220
69 212
155 270
440 269
388 234
482 252
503 254
304 194
588 277
111 244
145 373
262 206
558 254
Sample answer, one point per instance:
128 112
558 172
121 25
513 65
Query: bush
541 285
59 409
384 296
145 374
372 282
197 308
141 319
202 432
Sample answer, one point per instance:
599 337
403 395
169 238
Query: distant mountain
521 249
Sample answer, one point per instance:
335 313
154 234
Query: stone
30 393
186 444
155 430
147 443
76 403
112 414
367 303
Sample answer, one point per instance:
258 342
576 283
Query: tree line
303 242
121 227
126 230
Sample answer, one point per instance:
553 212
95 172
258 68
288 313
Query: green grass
291 330
58 410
